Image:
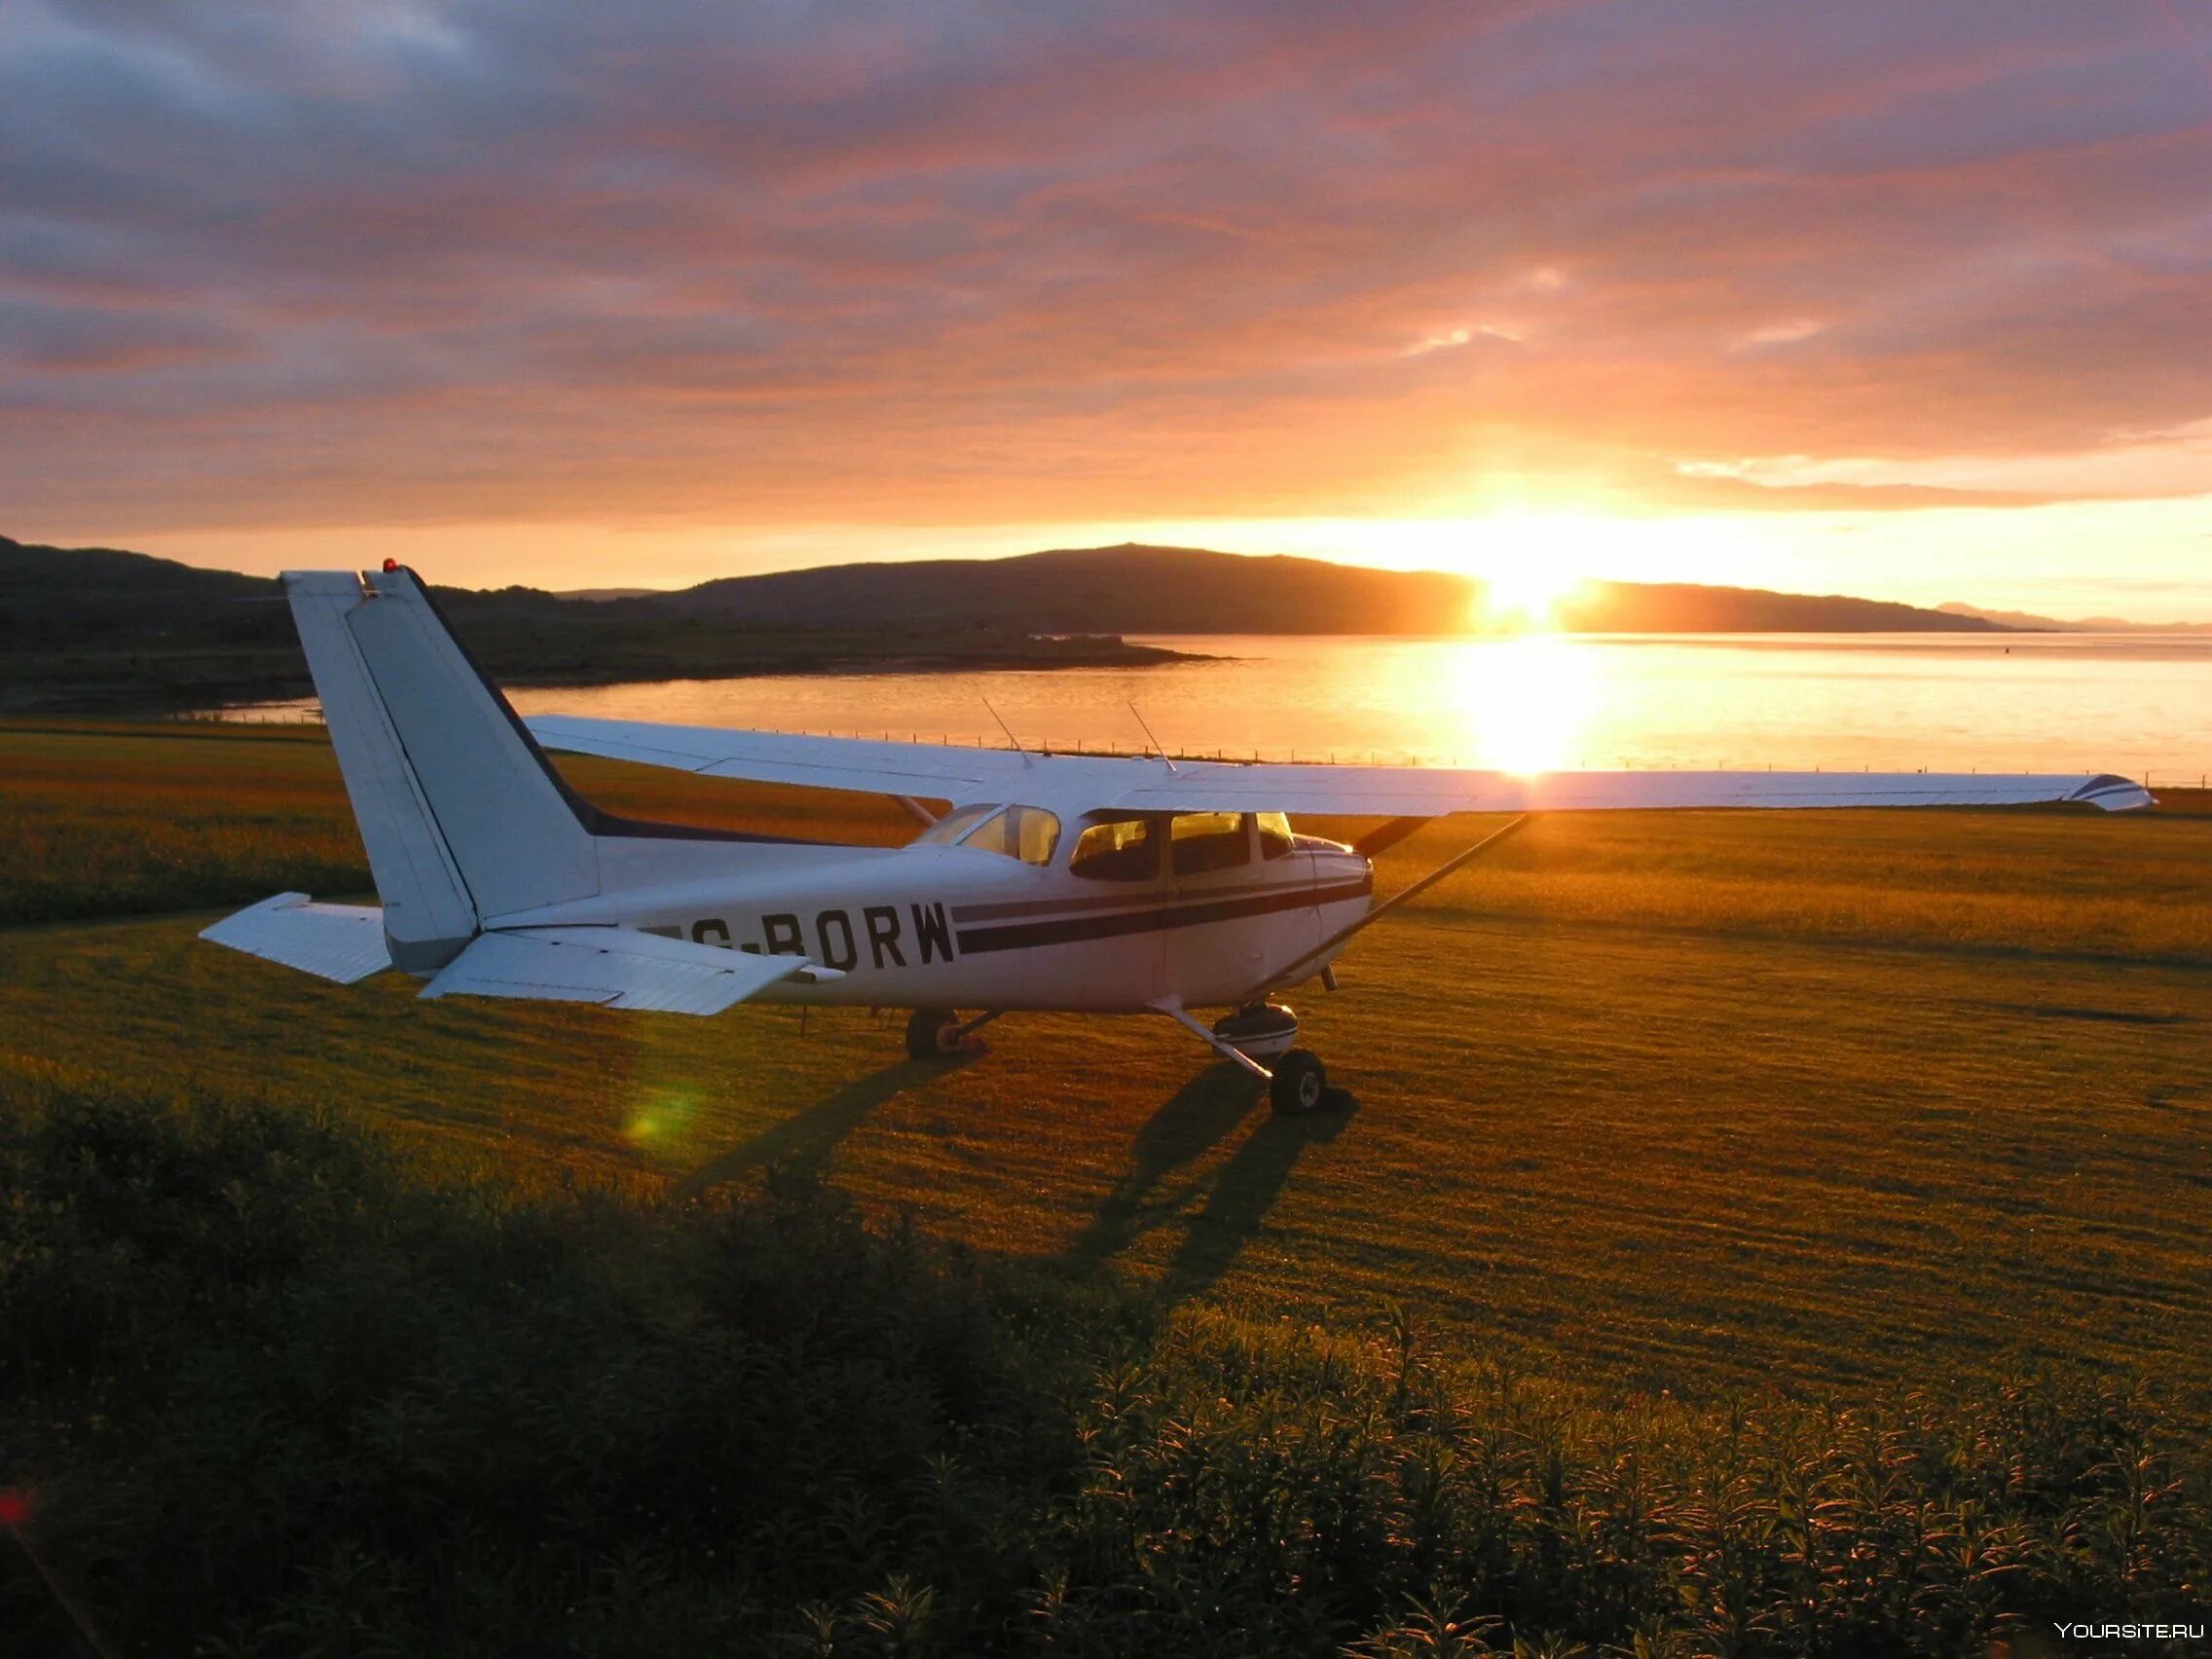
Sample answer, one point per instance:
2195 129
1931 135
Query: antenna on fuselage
1155 742
1009 737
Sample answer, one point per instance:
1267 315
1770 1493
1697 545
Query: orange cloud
993 264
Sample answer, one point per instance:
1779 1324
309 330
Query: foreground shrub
274 1392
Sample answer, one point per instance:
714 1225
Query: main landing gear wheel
938 1033
929 1034
1300 1083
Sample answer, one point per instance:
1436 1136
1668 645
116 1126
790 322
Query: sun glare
1529 562
1526 705
1526 597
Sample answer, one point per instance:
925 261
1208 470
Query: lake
2128 703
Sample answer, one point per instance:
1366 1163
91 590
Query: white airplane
1078 884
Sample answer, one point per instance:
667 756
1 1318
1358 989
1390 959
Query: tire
1301 1083
926 1031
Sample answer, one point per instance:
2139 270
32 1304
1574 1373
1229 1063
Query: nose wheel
1298 1083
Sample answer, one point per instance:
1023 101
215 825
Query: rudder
463 819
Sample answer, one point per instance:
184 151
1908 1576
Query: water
2128 703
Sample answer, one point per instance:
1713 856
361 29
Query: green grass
270 1391
1750 1111
1662 1113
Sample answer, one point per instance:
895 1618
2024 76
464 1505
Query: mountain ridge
103 627
2030 621
1118 589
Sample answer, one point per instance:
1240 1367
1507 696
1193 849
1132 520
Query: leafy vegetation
272 1389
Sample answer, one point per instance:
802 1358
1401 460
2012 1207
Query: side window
1276 839
1036 833
1205 841
1125 851
1026 833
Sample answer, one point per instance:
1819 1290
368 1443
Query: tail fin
463 819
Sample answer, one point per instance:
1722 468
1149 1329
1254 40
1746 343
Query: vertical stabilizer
463 819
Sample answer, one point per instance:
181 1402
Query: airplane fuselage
952 926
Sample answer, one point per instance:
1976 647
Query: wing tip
2109 792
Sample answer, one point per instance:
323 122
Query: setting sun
1530 562
1525 598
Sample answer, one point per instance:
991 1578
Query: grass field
1676 1100
1715 1188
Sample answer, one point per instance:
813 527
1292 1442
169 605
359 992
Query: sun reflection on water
1522 706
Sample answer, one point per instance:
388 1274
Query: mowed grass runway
1685 1101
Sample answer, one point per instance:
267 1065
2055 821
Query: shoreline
142 689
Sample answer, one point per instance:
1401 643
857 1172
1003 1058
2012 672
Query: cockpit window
1026 833
1127 850
953 824
1204 841
1276 838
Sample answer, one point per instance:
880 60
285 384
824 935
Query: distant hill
1134 589
55 596
97 627
1129 589
2080 625
85 630
1681 608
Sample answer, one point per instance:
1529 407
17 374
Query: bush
276 1390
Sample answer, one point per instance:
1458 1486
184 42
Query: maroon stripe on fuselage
1073 929
1117 902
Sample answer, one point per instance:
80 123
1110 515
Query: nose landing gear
1297 1081
1261 1030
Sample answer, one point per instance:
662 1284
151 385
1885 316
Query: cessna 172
1079 883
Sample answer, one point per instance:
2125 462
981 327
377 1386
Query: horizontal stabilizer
614 967
343 943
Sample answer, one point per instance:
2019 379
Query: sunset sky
1911 300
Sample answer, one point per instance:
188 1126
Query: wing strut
1389 836
1335 939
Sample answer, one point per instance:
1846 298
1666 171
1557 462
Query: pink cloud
1012 263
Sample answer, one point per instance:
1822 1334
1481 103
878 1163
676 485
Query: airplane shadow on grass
1201 1115
804 1142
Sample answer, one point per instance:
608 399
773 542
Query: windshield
953 824
1026 833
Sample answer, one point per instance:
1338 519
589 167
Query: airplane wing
934 770
1419 792
963 775
614 968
